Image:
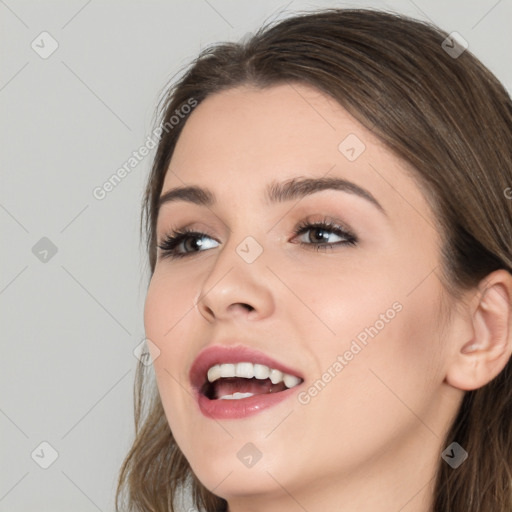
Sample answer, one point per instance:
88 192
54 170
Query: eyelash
171 242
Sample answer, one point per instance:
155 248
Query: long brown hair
447 116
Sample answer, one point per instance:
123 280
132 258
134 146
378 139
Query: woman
329 312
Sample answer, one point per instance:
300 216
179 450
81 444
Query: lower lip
242 408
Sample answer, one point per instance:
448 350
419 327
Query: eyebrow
276 192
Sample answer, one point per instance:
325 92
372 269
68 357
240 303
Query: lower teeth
236 396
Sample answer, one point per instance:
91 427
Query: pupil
319 233
194 243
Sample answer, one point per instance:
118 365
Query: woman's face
355 316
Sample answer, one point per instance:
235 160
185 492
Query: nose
235 288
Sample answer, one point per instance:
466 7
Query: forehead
243 138
274 123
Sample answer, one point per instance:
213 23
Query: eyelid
176 237
192 227
199 227
327 220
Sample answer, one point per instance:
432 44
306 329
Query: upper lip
219 354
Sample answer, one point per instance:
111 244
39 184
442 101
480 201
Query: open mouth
236 381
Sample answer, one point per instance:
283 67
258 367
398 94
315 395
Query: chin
228 481
238 468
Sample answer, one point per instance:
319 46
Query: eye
183 242
324 235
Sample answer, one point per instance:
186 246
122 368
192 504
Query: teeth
290 381
245 370
248 371
236 396
227 370
261 371
276 376
214 373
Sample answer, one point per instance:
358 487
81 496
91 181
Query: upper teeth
250 370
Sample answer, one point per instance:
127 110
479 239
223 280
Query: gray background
71 320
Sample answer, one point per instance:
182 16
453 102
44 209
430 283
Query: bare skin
371 437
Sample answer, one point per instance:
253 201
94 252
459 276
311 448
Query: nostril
205 311
242 305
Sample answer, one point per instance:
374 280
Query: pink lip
231 409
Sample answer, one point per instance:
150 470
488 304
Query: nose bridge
236 279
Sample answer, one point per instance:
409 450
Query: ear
477 360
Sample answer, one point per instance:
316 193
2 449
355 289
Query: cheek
167 303
167 313
399 367
387 383
387 353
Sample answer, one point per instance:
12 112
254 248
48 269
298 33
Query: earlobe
480 359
